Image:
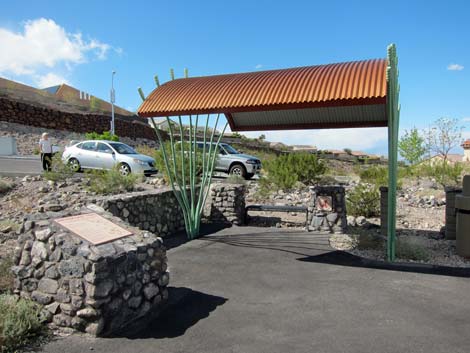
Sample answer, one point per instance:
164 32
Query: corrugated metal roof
311 85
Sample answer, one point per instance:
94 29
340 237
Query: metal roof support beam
393 114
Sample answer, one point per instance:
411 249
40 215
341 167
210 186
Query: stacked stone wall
228 203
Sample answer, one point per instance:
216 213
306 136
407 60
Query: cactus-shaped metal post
191 179
393 113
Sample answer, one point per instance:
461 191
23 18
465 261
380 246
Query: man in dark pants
45 146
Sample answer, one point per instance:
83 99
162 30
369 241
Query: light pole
113 99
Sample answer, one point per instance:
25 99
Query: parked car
229 160
106 155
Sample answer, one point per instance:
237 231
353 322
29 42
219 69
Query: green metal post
393 114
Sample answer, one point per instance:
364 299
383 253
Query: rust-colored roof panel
351 83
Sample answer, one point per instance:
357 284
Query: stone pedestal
97 289
451 220
327 211
383 210
228 203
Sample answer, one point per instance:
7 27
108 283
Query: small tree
411 146
262 137
348 151
444 136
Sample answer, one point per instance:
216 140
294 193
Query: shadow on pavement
295 243
185 308
341 258
180 238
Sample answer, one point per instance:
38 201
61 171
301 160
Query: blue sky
81 42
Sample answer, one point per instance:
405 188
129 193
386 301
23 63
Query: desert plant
411 249
6 276
235 179
20 322
5 186
106 135
368 241
411 146
286 170
363 200
111 181
445 173
60 170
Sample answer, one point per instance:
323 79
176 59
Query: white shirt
46 146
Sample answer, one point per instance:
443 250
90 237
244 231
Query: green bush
445 173
363 200
411 249
111 181
5 186
160 162
20 322
288 169
106 135
60 171
235 179
6 276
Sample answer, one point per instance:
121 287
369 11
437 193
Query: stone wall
97 289
384 210
156 211
27 114
228 203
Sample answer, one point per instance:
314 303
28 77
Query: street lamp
113 99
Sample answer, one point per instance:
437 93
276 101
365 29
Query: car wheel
124 169
238 169
74 165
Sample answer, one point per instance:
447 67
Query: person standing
45 146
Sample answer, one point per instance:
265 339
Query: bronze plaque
93 228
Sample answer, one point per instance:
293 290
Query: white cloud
465 120
43 46
455 67
259 66
50 79
356 139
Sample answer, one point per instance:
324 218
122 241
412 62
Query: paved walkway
261 290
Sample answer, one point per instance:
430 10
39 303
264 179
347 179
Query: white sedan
107 155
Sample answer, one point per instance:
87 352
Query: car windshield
122 148
229 149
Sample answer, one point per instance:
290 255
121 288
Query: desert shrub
368 241
111 181
106 135
446 174
60 171
235 179
378 175
160 162
20 322
147 150
288 169
6 276
5 186
411 249
363 200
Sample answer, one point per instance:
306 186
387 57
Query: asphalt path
247 289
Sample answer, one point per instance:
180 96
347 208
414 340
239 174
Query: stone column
451 193
383 209
228 203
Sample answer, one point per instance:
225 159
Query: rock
134 302
342 242
164 279
95 328
87 313
361 220
47 285
43 235
41 298
62 320
52 272
101 289
54 207
53 308
150 290
39 250
351 221
71 268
